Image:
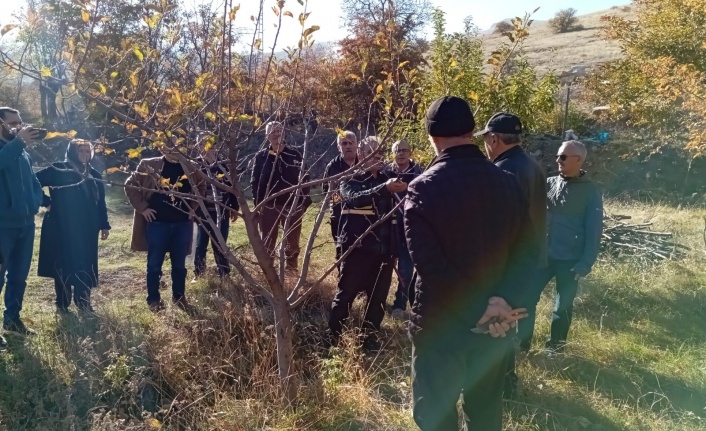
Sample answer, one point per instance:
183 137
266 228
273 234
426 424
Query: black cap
503 122
448 117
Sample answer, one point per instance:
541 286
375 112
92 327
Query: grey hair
347 134
272 125
370 140
397 144
580 148
509 138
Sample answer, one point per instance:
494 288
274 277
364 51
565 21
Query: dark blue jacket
575 220
533 182
464 222
20 192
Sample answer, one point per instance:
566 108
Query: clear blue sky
327 14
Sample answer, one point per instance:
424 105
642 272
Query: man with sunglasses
404 168
20 198
502 140
347 143
575 227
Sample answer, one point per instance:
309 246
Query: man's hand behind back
508 317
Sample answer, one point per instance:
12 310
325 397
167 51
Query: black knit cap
449 117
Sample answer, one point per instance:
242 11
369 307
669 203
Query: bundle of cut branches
621 237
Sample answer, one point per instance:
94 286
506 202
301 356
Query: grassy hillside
636 359
559 52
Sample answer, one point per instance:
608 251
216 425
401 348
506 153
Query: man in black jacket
404 168
347 143
464 223
501 137
222 207
366 198
275 169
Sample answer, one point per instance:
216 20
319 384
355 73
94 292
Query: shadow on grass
32 395
678 312
624 383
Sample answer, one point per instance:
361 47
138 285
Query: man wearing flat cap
462 240
502 139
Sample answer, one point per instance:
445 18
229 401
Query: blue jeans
163 238
566 288
16 246
405 270
202 240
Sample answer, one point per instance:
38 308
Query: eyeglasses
563 157
402 151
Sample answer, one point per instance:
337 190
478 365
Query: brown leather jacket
146 178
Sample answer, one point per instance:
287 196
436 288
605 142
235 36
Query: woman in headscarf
68 248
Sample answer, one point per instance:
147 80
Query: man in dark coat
275 169
464 223
404 168
20 199
222 207
347 144
366 198
502 140
68 248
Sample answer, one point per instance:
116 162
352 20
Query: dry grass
635 362
559 52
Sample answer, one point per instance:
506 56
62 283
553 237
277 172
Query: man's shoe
554 347
156 306
3 343
182 303
17 327
398 314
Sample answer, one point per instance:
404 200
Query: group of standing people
76 216
473 241
482 235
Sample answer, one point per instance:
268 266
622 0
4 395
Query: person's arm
228 199
136 197
427 254
593 225
255 176
353 193
327 173
521 260
102 207
46 176
10 153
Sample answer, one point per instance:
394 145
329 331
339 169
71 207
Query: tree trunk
43 100
51 92
285 346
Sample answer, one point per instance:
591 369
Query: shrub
565 21
502 27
